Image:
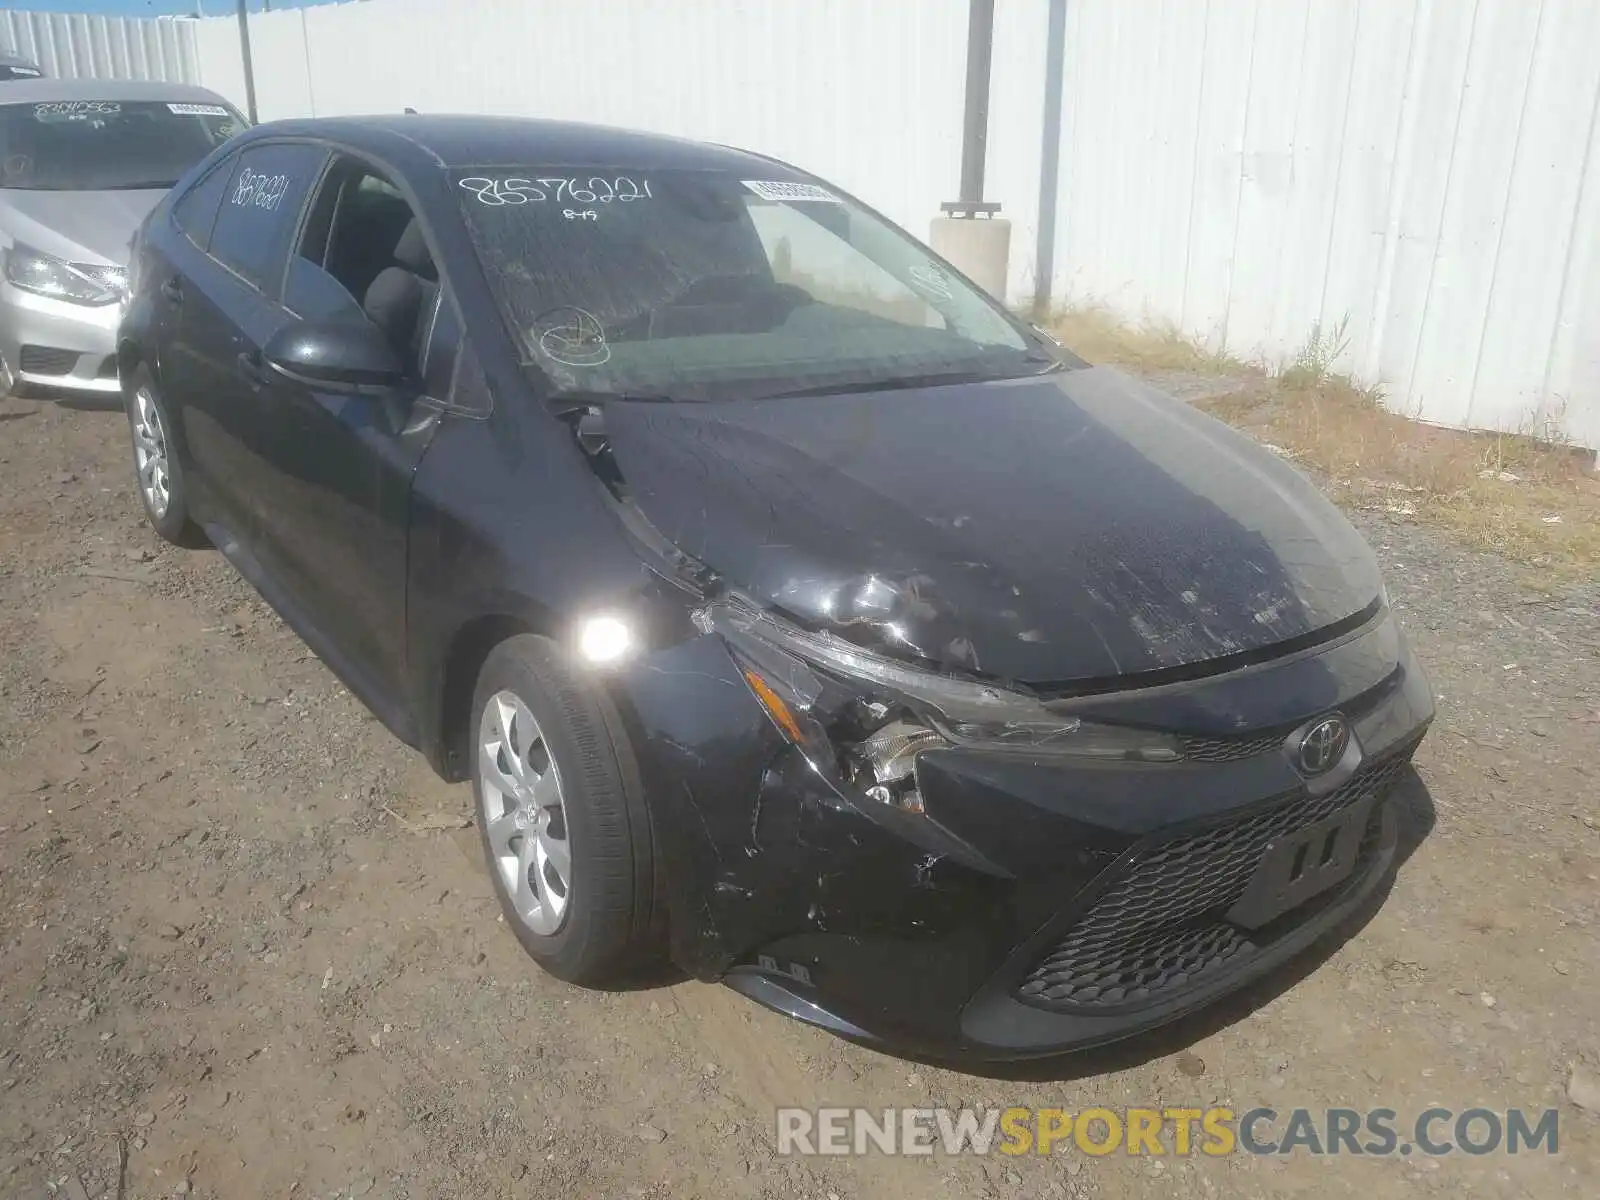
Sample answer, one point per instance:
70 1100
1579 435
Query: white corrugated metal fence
1421 174
76 45
1426 172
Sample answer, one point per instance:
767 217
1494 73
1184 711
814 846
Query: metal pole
975 125
1055 53
249 67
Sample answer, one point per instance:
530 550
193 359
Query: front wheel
159 474
561 817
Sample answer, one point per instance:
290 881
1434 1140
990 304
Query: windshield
98 145
699 285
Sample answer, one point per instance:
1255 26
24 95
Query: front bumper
53 344
1039 906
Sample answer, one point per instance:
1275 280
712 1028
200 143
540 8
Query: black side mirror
343 355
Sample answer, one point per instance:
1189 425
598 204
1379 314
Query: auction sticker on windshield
779 189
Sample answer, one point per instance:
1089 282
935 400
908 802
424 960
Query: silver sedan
81 164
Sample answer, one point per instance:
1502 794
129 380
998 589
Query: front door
334 526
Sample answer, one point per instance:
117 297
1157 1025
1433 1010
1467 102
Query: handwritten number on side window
510 192
257 189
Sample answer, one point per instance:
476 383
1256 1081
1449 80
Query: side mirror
341 355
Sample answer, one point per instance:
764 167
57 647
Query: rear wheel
561 817
158 473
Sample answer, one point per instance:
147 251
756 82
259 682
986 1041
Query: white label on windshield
198 110
779 189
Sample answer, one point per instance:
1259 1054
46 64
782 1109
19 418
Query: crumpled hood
81 227
1055 530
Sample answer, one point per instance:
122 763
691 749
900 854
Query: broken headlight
868 716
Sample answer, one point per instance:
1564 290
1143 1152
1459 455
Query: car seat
399 300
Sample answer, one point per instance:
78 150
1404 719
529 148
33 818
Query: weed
1312 365
1096 334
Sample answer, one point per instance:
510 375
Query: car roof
34 91
452 140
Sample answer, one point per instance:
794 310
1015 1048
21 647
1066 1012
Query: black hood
1055 530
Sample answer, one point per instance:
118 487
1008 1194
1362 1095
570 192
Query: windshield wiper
930 379
139 185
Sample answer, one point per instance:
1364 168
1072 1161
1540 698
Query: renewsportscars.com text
1379 1132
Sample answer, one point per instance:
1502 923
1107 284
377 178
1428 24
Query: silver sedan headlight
77 283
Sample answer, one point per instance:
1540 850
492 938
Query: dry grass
1098 336
1532 501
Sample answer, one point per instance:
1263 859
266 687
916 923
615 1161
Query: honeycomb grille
1158 926
1230 749
47 360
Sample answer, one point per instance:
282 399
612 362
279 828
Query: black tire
174 523
611 927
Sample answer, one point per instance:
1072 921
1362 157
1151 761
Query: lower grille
47 360
1159 925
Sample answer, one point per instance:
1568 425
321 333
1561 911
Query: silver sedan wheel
523 814
150 453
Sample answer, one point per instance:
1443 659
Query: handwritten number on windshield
500 193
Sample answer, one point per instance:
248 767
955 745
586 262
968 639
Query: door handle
173 290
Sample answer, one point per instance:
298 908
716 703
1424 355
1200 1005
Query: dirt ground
247 937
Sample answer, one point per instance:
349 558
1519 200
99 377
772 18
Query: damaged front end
804 862
878 842
862 718
893 856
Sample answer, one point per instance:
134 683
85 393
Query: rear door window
261 208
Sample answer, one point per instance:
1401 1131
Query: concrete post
978 247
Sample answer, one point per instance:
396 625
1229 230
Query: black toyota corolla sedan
795 611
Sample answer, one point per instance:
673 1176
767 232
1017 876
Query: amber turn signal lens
776 708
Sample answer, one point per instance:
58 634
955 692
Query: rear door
171 257
334 526
226 308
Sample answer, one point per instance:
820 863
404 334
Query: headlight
79 283
872 714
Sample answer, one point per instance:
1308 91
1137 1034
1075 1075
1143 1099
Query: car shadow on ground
112 403
1416 815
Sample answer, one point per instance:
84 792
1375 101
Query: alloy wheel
523 813
150 453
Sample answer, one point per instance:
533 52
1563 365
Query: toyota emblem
1324 745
